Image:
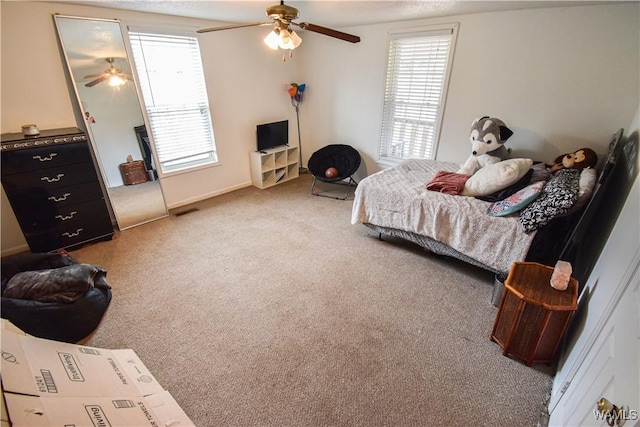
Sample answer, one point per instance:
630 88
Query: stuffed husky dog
487 137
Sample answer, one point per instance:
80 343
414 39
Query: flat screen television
272 135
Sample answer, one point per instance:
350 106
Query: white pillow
587 183
495 177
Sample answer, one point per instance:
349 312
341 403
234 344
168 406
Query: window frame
213 155
416 32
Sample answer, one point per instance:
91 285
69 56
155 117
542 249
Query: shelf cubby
274 166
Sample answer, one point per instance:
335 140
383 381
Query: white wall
246 84
561 78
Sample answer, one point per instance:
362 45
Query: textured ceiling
325 12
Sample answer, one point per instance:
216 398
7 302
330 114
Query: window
417 75
173 88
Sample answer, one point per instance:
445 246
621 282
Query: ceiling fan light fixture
272 39
115 81
282 17
288 39
282 38
296 39
285 41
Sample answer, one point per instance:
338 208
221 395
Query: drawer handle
68 217
77 233
46 158
60 199
57 178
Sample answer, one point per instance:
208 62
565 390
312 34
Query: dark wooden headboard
592 230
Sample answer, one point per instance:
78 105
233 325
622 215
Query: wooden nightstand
533 316
133 172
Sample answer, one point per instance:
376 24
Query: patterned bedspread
397 198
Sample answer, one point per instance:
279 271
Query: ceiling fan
114 76
282 17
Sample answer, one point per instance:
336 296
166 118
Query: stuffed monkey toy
579 159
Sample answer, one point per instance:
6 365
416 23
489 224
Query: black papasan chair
344 158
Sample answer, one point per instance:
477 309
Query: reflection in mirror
101 74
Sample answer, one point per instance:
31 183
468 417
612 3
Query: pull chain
284 58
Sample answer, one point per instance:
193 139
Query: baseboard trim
208 195
15 250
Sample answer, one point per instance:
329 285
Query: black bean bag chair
344 158
67 322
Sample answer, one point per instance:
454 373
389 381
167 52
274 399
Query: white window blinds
417 71
172 84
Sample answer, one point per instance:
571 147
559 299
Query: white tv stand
274 166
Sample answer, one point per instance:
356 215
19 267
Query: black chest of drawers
52 185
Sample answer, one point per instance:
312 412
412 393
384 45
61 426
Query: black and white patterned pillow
557 197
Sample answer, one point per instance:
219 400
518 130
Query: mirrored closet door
101 73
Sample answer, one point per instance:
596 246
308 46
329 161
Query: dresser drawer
24 203
91 222
54 156
63 218
50 178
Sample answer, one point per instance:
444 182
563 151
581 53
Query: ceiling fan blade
91 76
229 27
328 32
96 81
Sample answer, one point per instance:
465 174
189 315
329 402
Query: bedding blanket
397 198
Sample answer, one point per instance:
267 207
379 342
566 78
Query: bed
395 202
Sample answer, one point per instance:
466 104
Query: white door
605 358
610 370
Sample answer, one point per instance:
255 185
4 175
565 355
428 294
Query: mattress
397 198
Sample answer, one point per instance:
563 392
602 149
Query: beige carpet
268 308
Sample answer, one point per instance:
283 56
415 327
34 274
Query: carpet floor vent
186 211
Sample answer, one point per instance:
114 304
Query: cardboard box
159 409
54 383
6 325
4 418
